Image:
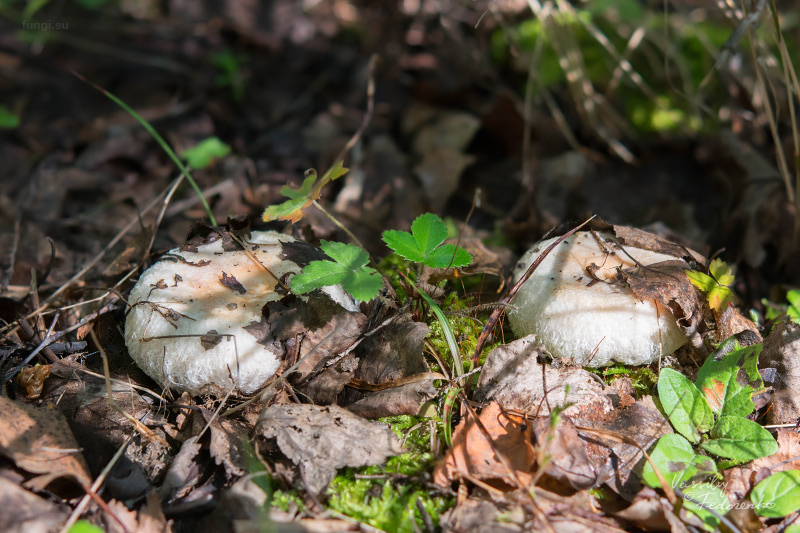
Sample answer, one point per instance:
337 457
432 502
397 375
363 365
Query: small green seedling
348 268
206 152
424 244
716 285
709 414
230 74
292 209
777 312
8 120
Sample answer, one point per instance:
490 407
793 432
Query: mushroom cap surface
195 315
593 322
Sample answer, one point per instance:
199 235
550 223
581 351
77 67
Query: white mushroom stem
576 309
195 323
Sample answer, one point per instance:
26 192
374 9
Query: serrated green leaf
728 384
702 281
318 274
347 269
335 172
351 256
778 495
684 404
293 209
701 497
721 271
448 256
719 297
404 245
424 244
363 284
740 439
429 231
677 462
206 151
305 189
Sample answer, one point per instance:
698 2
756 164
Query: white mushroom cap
593 322
190 311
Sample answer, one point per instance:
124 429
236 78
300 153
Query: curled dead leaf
39 441
475 454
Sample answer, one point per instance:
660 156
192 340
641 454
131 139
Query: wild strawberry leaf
719 297
718 294
299 199
424 244
348 268
721 271
794 305
702 281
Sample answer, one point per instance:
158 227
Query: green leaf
347 269
718 294
208 150
740 439
404 244
794 305
677 462
719 297
299 199
683 403
84 526
701 497
728 384
424 244
702 281
8 120
721 272
778 495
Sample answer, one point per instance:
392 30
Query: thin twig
95 487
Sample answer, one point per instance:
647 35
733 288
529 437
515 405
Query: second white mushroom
576 309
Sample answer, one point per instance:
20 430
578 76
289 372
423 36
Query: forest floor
508 124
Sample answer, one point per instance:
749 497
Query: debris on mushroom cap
194 314
578 307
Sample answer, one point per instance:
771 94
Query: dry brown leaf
149 519
513 377
782 351
31 514
39 441
472 455
620 464
322 439
568 465
666 282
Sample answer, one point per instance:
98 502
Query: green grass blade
160 140
449 336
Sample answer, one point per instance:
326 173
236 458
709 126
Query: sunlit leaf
292 210
208 150
348 269
424 244
778 495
